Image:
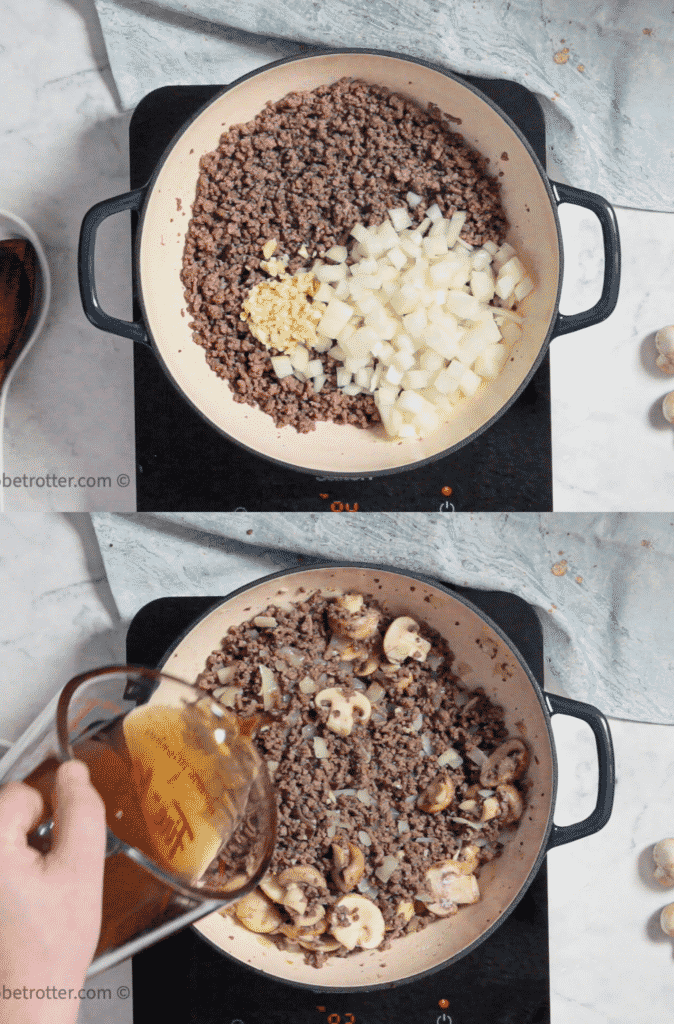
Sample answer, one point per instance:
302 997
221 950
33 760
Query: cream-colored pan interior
334 448
486 661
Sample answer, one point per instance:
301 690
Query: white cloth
604 73
601 585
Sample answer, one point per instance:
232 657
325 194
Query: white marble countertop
70 409
610 964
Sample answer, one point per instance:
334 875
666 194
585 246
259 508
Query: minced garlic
279 313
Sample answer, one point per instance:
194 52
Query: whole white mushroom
664 342
667 919
668 407
663 856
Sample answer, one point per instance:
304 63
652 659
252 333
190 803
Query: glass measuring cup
191 816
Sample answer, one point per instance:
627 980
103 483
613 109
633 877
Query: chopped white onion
282 366
374 693
338 253
386 868
410 312
476 755
320 747
226 673
227 695
268 688
450 757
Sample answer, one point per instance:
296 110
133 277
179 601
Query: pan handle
609 229
602 812
85 265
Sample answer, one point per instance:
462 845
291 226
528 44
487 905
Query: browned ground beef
305 171
385 757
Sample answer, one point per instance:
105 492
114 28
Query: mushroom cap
450 884
343 710
402 641
270 887
667 919
663 856
437 796
369 928
305 874
348 617
349 866
664 340
508 762
510 796
257 913
668 407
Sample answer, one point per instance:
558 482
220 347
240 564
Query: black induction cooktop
505 980
183 464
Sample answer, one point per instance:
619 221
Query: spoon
18 274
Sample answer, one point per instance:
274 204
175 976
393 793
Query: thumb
21 808
79 820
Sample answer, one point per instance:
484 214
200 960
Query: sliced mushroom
343 709
511 803
402 641
294 899
348 617
321 944
490 809
468 859
437 797
405 909
306 927
349 866
507 763
304 874
313 919
370 665
389 669
403 681
346 650
270 887
366 926
443 909
257 913
451 886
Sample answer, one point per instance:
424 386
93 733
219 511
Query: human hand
50 904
